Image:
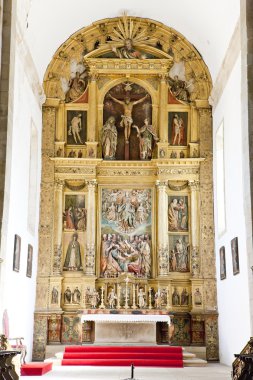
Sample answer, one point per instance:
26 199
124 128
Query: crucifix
126 117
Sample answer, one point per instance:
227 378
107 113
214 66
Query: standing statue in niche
109 139
126 119
76 295
73 257
67 295
146 135
54 296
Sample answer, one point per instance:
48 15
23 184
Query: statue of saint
179 88
73 257
141 299
146 136
111 299
94 299
54 297
128 51
76 86
76 295
109 139
126 118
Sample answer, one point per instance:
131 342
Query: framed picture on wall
235 256
222 263
29 261
16 253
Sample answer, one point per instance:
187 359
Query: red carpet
35 369
142 356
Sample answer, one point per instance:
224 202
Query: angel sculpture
181 89
76 85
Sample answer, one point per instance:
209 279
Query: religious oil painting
75 214
222 263
76 127
29 261
126 232
235 255
16 254
178 126
178 213
179 253
73 249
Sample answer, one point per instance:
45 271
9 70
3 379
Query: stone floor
210 372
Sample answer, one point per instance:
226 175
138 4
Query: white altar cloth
126 318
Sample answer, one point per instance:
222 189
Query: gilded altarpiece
126 221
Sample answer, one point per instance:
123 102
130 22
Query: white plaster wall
233 292
17 290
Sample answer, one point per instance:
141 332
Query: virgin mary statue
73 259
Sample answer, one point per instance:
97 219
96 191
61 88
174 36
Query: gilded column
163 113
195 227
162 225
58 203
89 261
92 117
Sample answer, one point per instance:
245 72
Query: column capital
205 111
194 185
91 184
59 184
163 77
161 184
94 76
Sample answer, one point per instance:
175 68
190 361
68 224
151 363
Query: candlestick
102 306
118 296
168 300
134 304
150 303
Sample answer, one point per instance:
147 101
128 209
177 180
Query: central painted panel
126 216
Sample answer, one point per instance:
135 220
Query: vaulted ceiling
208 25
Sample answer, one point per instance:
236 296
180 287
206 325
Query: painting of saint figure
75 214
235 255
222 263
179 253
126 232
178 213
73 260
76 127
178 124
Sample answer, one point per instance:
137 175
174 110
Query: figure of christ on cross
126 119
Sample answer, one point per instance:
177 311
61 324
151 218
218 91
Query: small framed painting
222 263
29 261
235 256
16 254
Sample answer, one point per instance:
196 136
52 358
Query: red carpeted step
123 355
35 369
124 362
123 349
